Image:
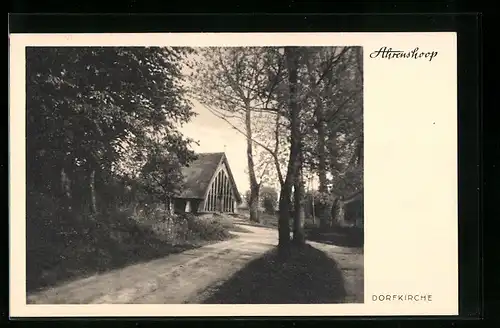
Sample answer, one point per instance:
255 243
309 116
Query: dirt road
185 277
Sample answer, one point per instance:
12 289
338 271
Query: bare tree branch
334 60
350 197
343 104
263 173
238 129
274 84
233 83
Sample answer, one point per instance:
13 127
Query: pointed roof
199 173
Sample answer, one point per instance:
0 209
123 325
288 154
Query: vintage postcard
226 174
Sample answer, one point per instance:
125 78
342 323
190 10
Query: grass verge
63 247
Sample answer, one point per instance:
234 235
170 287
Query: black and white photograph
195 175
233 174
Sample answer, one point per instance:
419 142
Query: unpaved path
351 264
183 277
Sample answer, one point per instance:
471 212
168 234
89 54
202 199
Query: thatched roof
199 173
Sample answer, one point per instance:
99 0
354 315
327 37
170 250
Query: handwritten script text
389 53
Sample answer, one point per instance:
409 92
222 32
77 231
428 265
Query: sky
215 135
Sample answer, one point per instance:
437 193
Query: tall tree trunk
253 205
332 210
340 219
299 217
254 185
93 200
360 151
66 190
293 161
323 209
359 59
275 155
323 182
284 218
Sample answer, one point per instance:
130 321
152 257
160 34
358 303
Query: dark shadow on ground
307 276
344 237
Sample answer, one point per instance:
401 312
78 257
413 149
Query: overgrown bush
269 199
61 246
309 224
208 229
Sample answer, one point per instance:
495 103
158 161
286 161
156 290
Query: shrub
269 198
65 245
308 224
208 229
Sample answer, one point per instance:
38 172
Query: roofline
223 159
238 196
210 153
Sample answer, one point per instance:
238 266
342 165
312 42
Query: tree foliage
300 109
233 83
96 114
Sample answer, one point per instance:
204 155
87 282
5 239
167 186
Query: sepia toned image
194 175
233 174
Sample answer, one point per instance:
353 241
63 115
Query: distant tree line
268 200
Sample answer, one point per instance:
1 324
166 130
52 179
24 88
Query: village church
208 187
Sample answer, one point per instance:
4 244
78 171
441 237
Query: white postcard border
411 206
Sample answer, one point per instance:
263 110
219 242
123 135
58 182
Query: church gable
220 195
198 174
209 185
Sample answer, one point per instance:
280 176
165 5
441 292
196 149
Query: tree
161 177
294 161
300 109
319 122
233 84
346 169
335 130
241 85
92 110
269 198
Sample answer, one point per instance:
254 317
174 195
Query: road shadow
346 237
307 276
